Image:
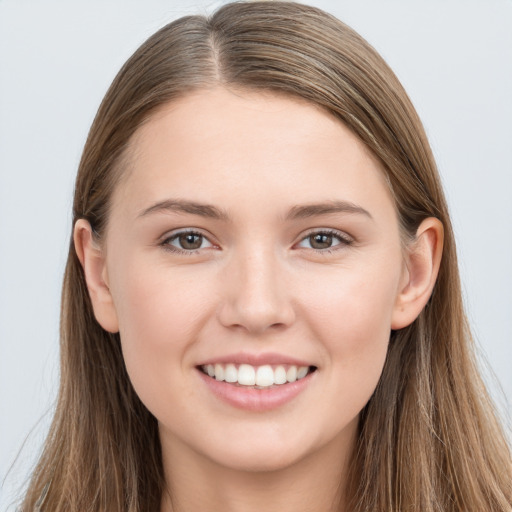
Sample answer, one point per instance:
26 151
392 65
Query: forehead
213 143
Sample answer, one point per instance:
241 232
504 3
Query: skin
256 284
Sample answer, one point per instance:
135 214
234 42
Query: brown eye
325 240
320 241
190 241
187 241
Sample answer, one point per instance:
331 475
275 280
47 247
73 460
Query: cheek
150 312
351 315
159 317
355 304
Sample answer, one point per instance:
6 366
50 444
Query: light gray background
56 62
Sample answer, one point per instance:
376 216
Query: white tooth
231 373
219 372
291 374
279 375
246 375
211 370
265 376
302 372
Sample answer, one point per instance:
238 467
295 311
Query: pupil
191 241
321 241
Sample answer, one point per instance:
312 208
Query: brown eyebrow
181 206
296 212
310 210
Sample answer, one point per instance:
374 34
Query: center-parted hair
428 438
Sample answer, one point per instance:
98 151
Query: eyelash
344 241
166 243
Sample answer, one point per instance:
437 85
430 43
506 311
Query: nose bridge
256 297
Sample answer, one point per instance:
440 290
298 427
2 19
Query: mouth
256 377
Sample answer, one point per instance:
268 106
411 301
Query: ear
422 262
93 262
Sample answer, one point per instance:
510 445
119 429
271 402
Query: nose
255 294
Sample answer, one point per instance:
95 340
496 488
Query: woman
261 305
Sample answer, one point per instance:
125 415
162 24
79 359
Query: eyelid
345 239
164 240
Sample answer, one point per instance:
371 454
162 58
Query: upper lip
260 359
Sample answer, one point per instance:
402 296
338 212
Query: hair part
429 438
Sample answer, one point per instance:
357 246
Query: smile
259 377
256 387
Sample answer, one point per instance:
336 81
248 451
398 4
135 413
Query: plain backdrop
57 59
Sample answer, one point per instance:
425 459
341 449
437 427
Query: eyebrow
329 207
182 206
294 213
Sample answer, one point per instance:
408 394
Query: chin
259 454
259 462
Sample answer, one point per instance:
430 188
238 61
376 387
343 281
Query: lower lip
253 399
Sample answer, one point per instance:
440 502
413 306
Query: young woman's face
255 234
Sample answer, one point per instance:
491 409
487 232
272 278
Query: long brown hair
429 439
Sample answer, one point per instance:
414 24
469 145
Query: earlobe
423 260
92 259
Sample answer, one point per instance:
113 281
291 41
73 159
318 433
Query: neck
314 483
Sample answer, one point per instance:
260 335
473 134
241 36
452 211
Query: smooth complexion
254 228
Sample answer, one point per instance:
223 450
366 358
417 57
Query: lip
252 399
260 359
